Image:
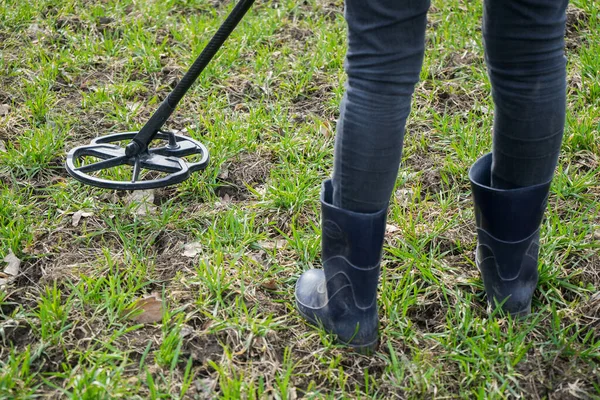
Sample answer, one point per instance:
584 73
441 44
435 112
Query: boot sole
364 349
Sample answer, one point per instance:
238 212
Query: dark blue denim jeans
524 52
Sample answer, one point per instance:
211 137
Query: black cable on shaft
209 51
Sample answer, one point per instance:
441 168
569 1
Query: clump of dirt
239 90
577 20
202 347
170 74
288 34
428 317
169 255
456 63
430 178
246 169
14 333
72 22
313 100
446 101
556 377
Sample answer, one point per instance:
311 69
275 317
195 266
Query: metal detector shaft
140 142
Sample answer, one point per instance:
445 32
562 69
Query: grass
266 108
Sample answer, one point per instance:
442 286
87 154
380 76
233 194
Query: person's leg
386 41
524 47
527 68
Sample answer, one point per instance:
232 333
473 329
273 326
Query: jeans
524 52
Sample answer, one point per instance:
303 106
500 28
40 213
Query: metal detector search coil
167 159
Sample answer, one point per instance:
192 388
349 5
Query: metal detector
165 163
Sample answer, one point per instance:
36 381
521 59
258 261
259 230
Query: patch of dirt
31 272
591 269
71 22
428 317
246 169
450 102
558 377
288 34
163 195
15 333
429 173
170 258
455 64
330 9
169 76
313 100
585 267
577 21
202 347
590 312
240 90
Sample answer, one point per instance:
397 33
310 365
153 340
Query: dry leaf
11 270
192 249
270 285
147 310
144 200
4 109
272 244
391 228
77 215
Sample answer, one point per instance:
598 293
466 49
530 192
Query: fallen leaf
272 244
391 228
192 249
226 198
4 109
147 310
77 215
144 201
11 270
270 285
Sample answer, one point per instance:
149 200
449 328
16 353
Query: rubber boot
508 232
342 297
